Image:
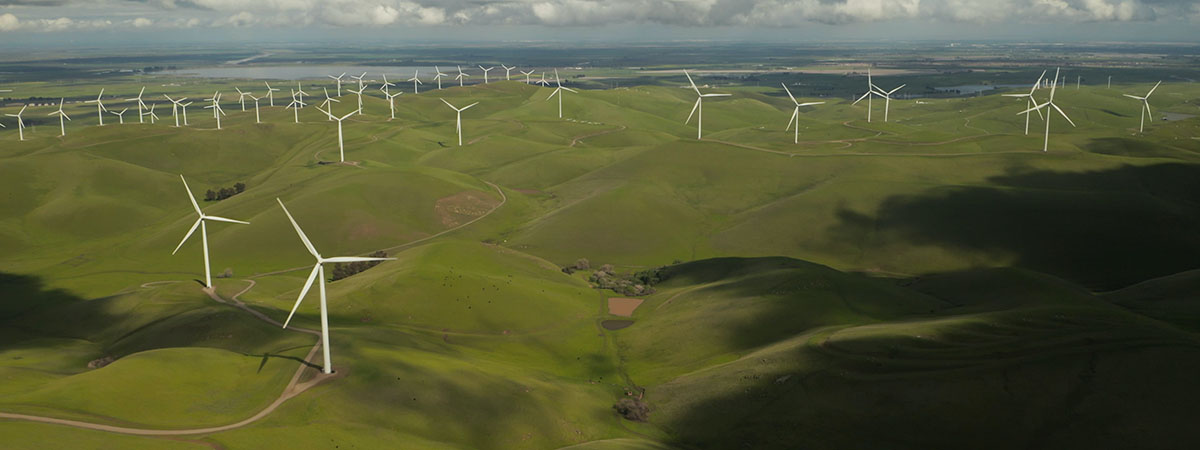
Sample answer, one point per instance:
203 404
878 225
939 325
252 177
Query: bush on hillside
224 193
580 264
632 409
345 270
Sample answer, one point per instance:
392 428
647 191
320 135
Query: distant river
308 72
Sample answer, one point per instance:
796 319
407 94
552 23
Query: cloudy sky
1156 20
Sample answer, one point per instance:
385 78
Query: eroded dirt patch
462 207
623 307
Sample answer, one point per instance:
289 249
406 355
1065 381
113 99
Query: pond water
308 72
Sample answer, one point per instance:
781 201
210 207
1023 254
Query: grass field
908 284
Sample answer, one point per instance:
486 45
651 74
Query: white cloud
9 22
142 22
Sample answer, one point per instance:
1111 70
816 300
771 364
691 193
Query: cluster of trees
632 409
345 270
149 69
224 193
630 284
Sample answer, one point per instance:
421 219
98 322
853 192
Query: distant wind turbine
458 119
485 73
872 90
257 118
1049 114
887 99
508 72
1029 100
327 101
20 123
527 75
359 92
415 81
200 222
295 105
386 87
461 77
100 109
319 271
184 108
437 76
300 94
242 98
216 107
339 82
1145 106
120 115
558 91
341 147
795 120
392 103
698 108
270 94
141 105
62 118
150 112
175 107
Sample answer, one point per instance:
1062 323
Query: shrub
632 409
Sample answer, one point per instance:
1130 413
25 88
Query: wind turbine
184 108
120 115
1029 101
200 222
392 102
438 76
295 105
558 91
1049 115
339 82
100 109
20 123
360 79
62 118
140 104
1145 106
319 271
270 93
872 90
796 113
256 116
887 99
300 94
360 94
699 108
543 81
458 120
485 73
242 98
415 81
508 72
216 107
341 148
175 108
461 77
386 88
150 112
527 74
328 99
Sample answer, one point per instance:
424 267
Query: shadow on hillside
26 293
1103 229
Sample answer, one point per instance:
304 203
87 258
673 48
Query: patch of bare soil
462 207
623 307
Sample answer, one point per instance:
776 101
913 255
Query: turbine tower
386 88
872 90
300 94
698 108
175 107
415 81
795 120
558 91
140 104
319 271
341 147
150 112
508 72
216 107
1049 114
392 103
242 98
184 108
20 123
200 222
461 77
100 109
1145 106
458 120
120 115
527 75
62 118
270 94
437 76
339 82
1029 100
887 99
295 105
256 116
485 73
360 94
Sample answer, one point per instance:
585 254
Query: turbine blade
346 259
1134 97
1035 108
448 104
694 107
811 104
1152 89
1060 111
300 232
716 95
307 285
224 219
468 106
190 197
789 93
795 113
188 235
861 98
693 83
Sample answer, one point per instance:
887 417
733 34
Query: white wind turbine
461 77
485 73
527 75
1029 100
62 118
300 94
175 108
100 109
795 120
295 105
341 147
270 94
508 72
120 115
242 98
698 107
1145 106
437 76
872 90
216 107
360 94
150 112
386 88
558 91
543 81
328 99
458 119
200 222
184 108
887 99
141 105
392 102
319 271
20 123
257 118
339 83
415 81
1049 114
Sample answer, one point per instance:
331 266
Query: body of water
309 72
972 89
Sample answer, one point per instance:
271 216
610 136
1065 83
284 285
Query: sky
34 21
